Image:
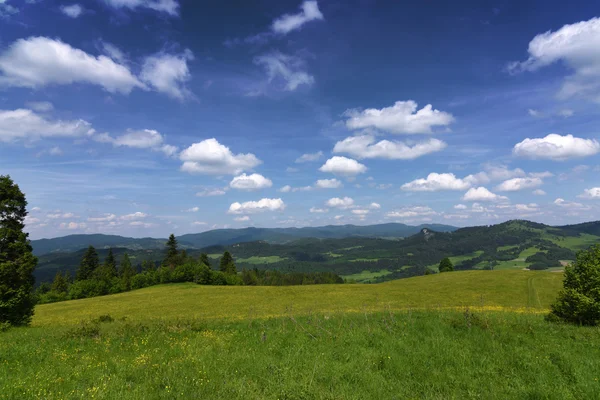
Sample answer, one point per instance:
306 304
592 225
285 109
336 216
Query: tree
579 300
89 264
16 258
204 259
148 265
127 272
60 284
446 265
172 256
109 270
226 265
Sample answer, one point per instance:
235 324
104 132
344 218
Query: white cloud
435 182
40 106
59 215
290 22
36 209
539 192
482 194
556 147
360 211
243 218
566 113
285 189
104 218
375 206
39 61
212 158
170 7
250 182
168 73
72 225
139 139
285 69
328 184
342 203
72 11
516 184
570 205
211 192
309 157
318 210
343 166
193 209
55 151
411 212
460 207
135 216
27 125
593 193
257 206
577 46
534 113
7 9
365 147
401 118
113 52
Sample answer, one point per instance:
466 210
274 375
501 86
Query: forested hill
73 243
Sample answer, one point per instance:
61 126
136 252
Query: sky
150 117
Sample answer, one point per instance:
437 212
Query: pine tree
89 264
127 272
110 264
226 265
172 256
204 259
60 284
446 265
16 259
148 265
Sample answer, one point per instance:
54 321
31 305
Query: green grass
215 255
509 247
334 255
365 260
367 276
444 336
576 243
260 260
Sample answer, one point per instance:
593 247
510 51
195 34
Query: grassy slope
456 289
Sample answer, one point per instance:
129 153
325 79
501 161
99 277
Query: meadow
472 334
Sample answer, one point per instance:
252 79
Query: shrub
579 300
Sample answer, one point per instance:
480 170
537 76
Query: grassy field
441 336
367 276
260 260
575 243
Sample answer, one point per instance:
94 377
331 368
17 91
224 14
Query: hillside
229 236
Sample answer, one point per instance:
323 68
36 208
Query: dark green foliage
226 265
127 271
204 259
16 259
446 265
579 300
172 254
89 264
60 284
148 265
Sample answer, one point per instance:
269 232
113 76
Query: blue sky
146 117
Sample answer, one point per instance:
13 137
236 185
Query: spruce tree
226 265
446 265
172 256
89 264
204 259
127 272
16 258
60 284
110 264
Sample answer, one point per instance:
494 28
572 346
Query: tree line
94 278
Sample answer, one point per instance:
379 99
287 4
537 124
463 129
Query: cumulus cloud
104 218
285 189
360 211
291 22
576 45
139 139
309 157
570 205
516 184
401 118
375 206
328 184
262 205
593 193
342 203
318 210
212 158
460 207
170 7
250 182
539 192
243 218
436 182
40 106
343 166
168 73
211 192
365 147
284 70
482 194
72 225
72 11
24 124
411 212
556 147
135 216
39 61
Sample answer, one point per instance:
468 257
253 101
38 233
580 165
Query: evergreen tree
148 265
226 265
172 256
16 259
446 265
89 264
110 264
127 271
204 259
60 284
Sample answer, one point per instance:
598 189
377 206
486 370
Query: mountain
73 243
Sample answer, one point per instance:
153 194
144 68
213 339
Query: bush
579 300
87 288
